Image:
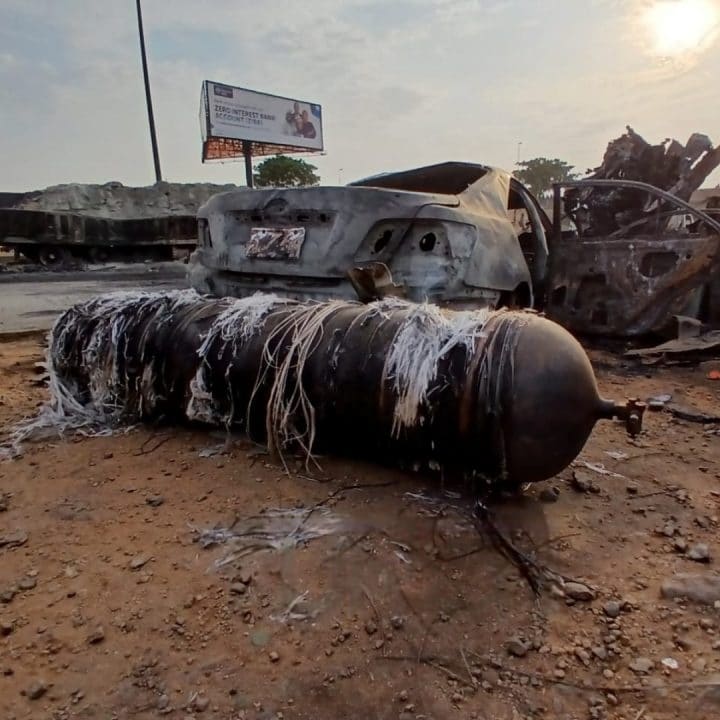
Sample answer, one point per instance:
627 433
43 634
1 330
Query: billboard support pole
148 98
247 152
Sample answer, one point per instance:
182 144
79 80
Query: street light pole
148 98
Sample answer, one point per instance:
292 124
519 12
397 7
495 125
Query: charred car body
619 258
442 233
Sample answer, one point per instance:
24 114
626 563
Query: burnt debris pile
671 166
504 396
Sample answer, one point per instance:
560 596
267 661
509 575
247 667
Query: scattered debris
617 454
687 348
600 469
275 529
292 613
685 412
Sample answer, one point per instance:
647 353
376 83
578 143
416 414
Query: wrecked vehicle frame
629 280
440 233
446 234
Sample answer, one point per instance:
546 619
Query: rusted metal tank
508 397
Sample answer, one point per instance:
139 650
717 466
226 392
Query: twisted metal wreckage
497 396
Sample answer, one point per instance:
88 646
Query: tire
52 256
99 254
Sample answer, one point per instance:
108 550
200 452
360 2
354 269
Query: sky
402 83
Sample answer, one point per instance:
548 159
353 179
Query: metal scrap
628 250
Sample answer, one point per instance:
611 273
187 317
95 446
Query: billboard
230 115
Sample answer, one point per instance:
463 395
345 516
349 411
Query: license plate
275 243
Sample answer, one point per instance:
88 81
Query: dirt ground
111 607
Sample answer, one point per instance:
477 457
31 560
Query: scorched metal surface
443 232
508 397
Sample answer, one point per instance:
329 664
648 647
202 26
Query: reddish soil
405 614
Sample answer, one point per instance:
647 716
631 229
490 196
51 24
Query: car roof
448 178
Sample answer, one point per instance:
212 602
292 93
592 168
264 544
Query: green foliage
284 171
539 174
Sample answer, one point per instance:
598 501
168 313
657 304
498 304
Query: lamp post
148 98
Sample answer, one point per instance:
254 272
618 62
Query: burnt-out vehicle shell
629 279
442 232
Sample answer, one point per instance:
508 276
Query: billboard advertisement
233 113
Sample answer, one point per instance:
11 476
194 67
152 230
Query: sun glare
680 27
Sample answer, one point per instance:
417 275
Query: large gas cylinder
506 396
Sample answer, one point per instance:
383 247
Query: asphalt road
31 301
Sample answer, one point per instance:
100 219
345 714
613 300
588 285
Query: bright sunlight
681 27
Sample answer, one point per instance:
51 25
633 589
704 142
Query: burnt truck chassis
56 238
608 283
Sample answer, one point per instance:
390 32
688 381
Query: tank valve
630 412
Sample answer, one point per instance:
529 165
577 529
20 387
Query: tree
539 174
284 171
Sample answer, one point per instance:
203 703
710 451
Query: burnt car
443 233
626 256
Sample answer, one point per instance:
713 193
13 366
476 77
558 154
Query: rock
36 690
162 702
582 655
706 623
14 538
27 583
641 665
581 482
238 588
6 596
549 495
599 652
4 502
397 622
201 703
632 488
680 545
699 553
260 638
274 657
155 500
138 561
669 529
612 608
517 647
96 636
370 627
578 591
490 676
6 627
